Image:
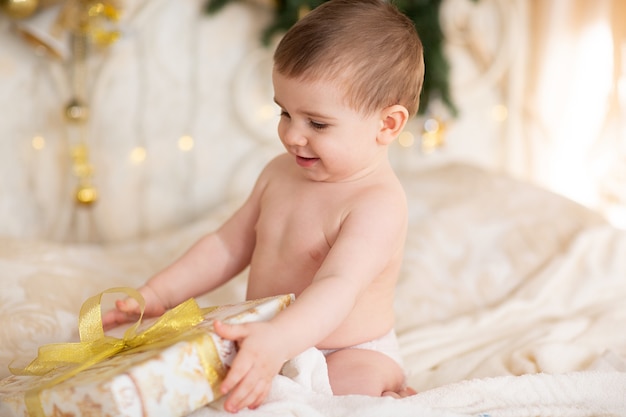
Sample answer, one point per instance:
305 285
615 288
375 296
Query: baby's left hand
261 355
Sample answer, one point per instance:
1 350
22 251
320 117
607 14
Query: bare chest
297 225
300 223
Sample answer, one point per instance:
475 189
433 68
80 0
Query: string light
185 143
499 113
38 142
266 112
406 139
138 155
434 135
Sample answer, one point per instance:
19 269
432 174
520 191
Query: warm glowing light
431 125
138 155
571 120
38 143
185 143
266 112
499 113
434 135
406 139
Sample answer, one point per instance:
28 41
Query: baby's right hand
128 309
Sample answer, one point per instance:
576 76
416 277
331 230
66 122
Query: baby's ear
393 119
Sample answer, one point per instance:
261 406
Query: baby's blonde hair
368 47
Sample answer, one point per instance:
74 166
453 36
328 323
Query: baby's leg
366 372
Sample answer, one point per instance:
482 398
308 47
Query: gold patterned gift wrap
169 367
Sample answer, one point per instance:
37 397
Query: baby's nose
294 137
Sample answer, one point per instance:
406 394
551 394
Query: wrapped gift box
169 378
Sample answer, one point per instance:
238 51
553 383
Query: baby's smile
306 162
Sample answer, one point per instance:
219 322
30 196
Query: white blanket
570 316
305 392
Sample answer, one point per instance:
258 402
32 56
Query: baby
327 219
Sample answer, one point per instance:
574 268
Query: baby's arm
265 346
210 262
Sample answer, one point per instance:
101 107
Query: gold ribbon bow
94 346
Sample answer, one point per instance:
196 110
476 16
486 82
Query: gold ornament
19 9
88 22
92 18
76 111
86 194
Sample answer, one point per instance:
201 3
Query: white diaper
387 345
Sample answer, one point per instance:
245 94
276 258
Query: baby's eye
318 126
284 114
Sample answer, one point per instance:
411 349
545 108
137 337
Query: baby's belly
371 318
268 278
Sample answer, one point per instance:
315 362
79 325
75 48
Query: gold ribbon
94 346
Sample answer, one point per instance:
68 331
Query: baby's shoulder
385 189
381 209
276 166
274 169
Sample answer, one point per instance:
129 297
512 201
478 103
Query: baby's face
329 140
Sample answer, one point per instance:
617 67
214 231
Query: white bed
511 302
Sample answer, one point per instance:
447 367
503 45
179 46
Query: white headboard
174 72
